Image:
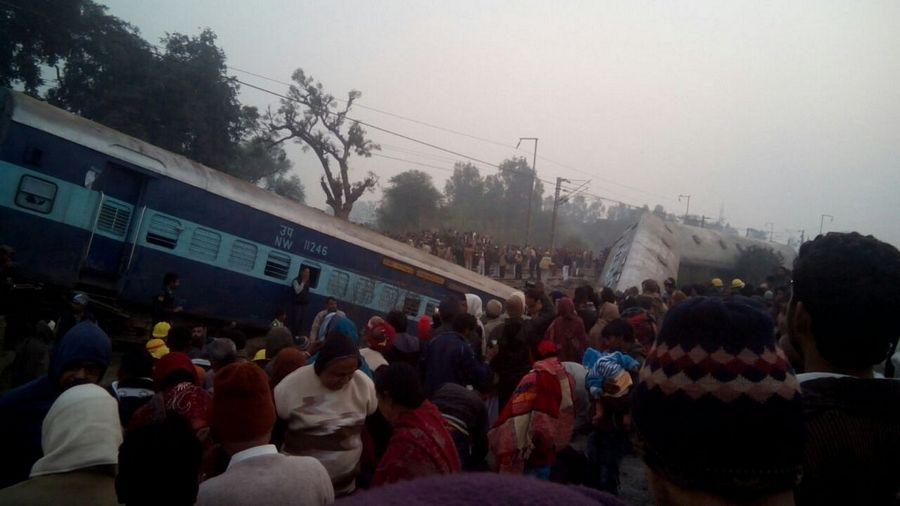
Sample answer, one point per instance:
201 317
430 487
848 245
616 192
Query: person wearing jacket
81 437
82 356
448 358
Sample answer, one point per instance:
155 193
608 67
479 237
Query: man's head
465 324
179 339
277 339
242 413
331 305
494 308
397 319
534 301
398 388
841 317
515 307
619 335
171 280
79 302
222 352
82 356
198 335
650 286
449 308
669 285
717 407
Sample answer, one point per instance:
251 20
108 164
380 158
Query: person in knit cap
241 419
538 420
287 361
324 406
82 356
81 436
169 445
177 394
717 408
842 320
420 445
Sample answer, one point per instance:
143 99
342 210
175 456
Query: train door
116 216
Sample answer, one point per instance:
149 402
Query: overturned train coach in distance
654 249
85 205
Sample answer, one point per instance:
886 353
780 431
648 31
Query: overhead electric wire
424 143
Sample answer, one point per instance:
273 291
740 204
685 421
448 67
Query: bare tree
312 117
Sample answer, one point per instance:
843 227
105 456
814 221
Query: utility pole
687 208
771 229
802 236
559 182
702 221
822 221
531 192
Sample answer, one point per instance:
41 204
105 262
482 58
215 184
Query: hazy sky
780 111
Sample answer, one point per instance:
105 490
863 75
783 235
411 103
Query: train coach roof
45 117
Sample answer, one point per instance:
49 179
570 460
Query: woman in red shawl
567 332
420 444
537 421
177 394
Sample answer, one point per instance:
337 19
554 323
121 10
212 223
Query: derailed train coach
88 206
657 249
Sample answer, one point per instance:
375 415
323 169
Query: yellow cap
157 348
260 355
716 282
737 283
161 330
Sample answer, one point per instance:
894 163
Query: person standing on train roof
300 286
82 356
331 306
164 304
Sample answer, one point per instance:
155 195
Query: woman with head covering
81 437
177 394
324 406
607 312
567 332
420 444
474 308
538 420
379 340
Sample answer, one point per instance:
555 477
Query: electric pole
559 182
822 221
687 208
771 229
531 192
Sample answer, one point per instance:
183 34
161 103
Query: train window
114 217
277 265
337 284
36 194
365 291
314 273
387 300
164 231
205 244
430 308
243 255
411 305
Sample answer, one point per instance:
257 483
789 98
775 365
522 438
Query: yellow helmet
157 348
260 355
161 330
716 282
737 284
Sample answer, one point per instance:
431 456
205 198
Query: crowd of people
482 254
730 394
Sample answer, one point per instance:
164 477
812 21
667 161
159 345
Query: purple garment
485 489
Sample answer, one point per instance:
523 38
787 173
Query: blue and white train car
87 205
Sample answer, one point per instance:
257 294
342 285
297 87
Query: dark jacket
853 444
448 358
23 409
513 359
466 416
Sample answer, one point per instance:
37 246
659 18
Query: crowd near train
293 358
